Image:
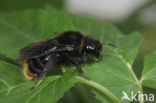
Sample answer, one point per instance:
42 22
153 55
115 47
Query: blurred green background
81 93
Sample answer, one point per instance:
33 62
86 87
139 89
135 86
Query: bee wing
36 49
42 48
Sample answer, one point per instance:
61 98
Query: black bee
69 48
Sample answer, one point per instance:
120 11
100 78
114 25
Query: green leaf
18 29
115 73
149 73
109 78
29 26
15 87
6 5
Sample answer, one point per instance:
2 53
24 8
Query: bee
68 48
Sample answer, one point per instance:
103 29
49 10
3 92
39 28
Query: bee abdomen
33 68
27 72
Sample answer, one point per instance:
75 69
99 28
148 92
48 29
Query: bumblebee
68 48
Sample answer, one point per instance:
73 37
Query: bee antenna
110 44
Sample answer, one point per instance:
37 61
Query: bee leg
78 62
81 72
42 76
83 59
49 65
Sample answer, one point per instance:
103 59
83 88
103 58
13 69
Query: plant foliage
108 78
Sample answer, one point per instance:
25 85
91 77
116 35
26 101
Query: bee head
93 47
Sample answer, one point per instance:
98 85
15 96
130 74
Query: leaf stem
141 90
98 87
